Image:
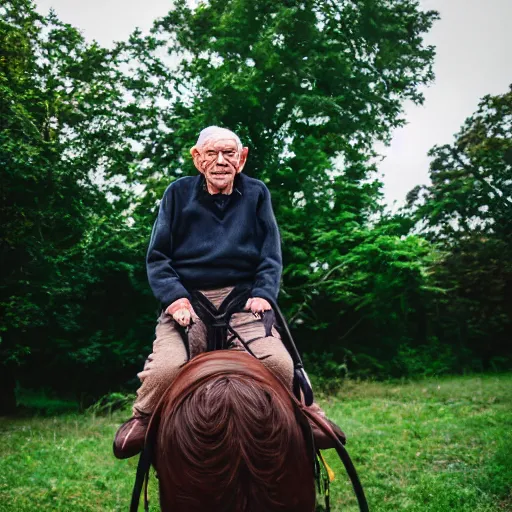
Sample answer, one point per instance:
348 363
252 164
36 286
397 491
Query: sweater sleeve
163 279
268 272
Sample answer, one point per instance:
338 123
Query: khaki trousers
169 353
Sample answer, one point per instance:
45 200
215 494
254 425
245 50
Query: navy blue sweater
201 241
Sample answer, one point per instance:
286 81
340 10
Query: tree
62 239
310 87
467 211
94 136
471 191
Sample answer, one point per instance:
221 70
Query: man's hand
257 305
182 311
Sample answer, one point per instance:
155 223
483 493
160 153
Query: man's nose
220 158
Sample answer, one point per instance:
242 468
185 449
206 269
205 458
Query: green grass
436 445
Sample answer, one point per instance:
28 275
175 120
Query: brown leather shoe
129 439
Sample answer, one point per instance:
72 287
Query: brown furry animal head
229 440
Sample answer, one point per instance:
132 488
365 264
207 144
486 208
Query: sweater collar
238 187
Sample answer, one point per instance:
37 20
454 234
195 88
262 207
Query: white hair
217 131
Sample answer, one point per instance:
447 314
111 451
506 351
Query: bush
429 360
326 374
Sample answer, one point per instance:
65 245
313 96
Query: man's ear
196 157
243 159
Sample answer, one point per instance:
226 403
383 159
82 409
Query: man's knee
155 379
162 370
276 358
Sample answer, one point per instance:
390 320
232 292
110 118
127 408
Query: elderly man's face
219 160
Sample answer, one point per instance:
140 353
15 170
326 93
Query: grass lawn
435 445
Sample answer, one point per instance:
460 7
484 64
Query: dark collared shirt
204 241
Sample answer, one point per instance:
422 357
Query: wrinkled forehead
219 144
214 136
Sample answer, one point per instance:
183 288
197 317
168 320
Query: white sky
474 58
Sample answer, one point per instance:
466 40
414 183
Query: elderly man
214 231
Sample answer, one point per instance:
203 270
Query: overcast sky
474 58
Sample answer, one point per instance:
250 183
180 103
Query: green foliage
112 402
369 299
44 403
91 138
432 359
70 262
310 87
467 212
327 375
471 191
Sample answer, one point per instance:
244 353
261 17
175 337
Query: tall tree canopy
62 241
471 191
310 87
92 137
467 211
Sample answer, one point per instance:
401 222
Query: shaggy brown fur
229 440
